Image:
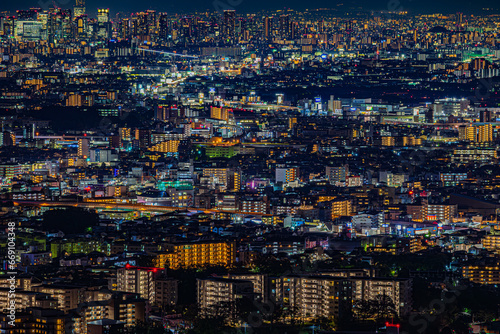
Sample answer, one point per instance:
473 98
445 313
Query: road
129 206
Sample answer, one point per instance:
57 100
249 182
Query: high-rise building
83 148
222 113
163 26
125 134
43 319
79 8
143 137
152 21
316 296
8 138
337 173
442 212
268 27
139 280
472 133
429 115
125 28
195 255
229 178
81 26
286 174
103 23
284 26
166 291
485 116
216 291
491 242
228 24
485 133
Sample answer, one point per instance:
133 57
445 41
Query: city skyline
242 6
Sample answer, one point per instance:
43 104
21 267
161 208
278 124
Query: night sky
420 6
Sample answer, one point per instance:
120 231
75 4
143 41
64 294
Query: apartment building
68 296
128 308
198 254
482 274
399 290
217 290
138 280
316 296
492 242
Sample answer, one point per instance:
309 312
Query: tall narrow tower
229 23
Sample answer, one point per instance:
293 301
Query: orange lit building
195 255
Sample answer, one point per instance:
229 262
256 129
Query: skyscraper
83 147
229 23
268 27
79 8
163 26
285 26
103 27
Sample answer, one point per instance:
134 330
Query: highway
168 53
129 206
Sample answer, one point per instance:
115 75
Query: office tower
294 26
292 121
83 147
284 26
187 26
81 26
103 24
163 26
152 21
142 26
229 21
125 28
27 15
268 27
79 9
